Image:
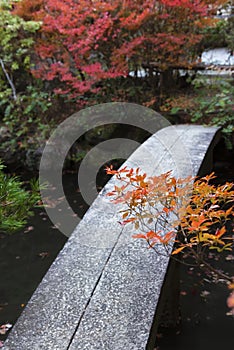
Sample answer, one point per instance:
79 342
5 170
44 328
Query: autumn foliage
186 218
84 43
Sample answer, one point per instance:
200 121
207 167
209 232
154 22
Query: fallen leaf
28 229
44 255
4 328
183 292
230 257
204 293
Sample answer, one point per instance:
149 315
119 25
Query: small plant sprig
188 217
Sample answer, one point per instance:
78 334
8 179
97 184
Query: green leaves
15 202
16 40
211 102
22 101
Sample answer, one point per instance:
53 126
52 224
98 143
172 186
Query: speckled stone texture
102 290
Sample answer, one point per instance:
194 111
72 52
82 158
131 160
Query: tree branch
9 80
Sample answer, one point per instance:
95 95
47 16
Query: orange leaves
168 237
229 212
151 235
190 212
139 235
166 210
148 236
111 171
130 179
162 205
158 237
128 220
209 177
220 232
197 222
178 250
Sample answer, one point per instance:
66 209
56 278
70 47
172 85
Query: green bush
211 102
15 201
24 101
214 105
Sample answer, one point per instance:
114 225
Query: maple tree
185 217
83 44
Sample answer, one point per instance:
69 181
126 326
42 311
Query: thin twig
9 80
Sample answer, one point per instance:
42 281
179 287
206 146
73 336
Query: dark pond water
205 323
26 256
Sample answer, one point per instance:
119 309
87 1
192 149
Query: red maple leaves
83 43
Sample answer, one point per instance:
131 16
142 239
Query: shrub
186 217
16 202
